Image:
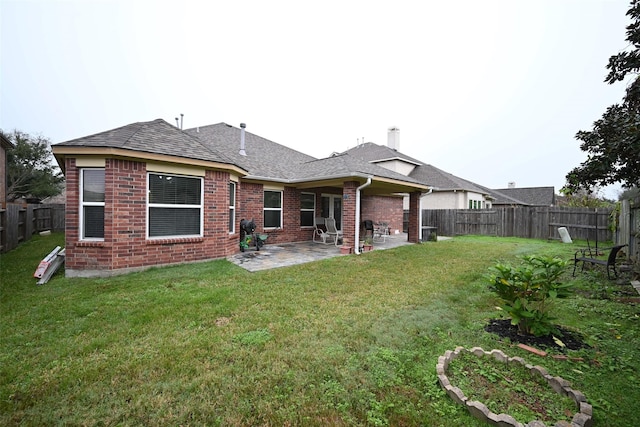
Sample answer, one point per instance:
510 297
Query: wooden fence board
18 222
527 222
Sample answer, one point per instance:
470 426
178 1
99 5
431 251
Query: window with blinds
175 205
92 204
272 209
307 209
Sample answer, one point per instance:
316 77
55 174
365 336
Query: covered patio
288 254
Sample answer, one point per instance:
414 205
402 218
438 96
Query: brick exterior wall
413 234
349 212
125 246
381 208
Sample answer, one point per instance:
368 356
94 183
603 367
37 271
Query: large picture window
175 206
307 209
272 209
92 204
232 207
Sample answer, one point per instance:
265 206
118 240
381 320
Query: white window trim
309 210
168 205
233 206
281 209
82 206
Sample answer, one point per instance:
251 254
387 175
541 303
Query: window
92 203
175 206
272 209
232 207
307 209
470 204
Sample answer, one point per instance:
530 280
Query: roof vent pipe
242 152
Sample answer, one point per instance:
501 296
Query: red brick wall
125 245
413 234
349 212
382 208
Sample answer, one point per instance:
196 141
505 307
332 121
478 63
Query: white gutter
357 239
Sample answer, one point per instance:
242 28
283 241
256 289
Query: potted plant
367 245
346 247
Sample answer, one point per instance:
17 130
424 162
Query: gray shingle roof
374 153
220 143
156 136
264 158
342 165
270 160
423 173
532 196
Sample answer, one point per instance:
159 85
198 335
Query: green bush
528 291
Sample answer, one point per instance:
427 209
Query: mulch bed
504 329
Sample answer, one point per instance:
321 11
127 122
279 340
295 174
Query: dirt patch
504 329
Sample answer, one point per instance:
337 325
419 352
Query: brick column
413 234
349 211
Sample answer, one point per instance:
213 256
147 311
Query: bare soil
504 329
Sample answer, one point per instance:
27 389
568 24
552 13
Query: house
447 191
525 196
149 194
5 145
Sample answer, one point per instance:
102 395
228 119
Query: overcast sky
491 91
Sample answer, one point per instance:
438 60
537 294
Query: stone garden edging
582 418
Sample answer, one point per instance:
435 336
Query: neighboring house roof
531 196
4 141
422 172
157 137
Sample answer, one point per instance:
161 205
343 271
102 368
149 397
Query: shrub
528 291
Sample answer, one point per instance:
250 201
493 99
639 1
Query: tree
614 142
30 171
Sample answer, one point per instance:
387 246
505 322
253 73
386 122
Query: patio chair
588 256
320 234
368 229
332 231
381 231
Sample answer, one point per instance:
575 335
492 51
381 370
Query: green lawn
348 341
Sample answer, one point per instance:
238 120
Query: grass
510 389
346 341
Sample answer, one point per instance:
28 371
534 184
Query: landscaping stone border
583 418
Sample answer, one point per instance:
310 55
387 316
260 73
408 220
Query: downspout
357 222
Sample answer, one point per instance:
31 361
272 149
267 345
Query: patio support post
413 233
349 211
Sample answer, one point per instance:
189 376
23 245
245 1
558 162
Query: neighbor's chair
332 231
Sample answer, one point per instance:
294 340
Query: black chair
368 229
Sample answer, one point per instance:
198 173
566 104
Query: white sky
491 91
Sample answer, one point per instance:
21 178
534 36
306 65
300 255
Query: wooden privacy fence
19 222
528 222
629 226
